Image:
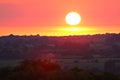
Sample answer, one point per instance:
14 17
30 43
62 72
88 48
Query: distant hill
86 46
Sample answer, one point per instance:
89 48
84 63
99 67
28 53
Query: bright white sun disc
73 18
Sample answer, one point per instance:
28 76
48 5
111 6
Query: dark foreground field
90 57
46 70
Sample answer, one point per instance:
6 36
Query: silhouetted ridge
85 46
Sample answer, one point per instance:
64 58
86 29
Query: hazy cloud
9 13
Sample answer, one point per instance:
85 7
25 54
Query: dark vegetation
46 70
30 49
27 47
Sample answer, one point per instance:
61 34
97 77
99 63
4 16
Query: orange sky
47 17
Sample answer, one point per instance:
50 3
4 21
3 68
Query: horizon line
58 35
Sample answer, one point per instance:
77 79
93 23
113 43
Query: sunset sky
47 17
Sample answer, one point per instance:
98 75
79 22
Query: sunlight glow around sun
73 18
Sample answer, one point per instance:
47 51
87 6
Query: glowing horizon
58 31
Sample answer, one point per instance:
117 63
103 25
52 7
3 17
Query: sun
73 18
